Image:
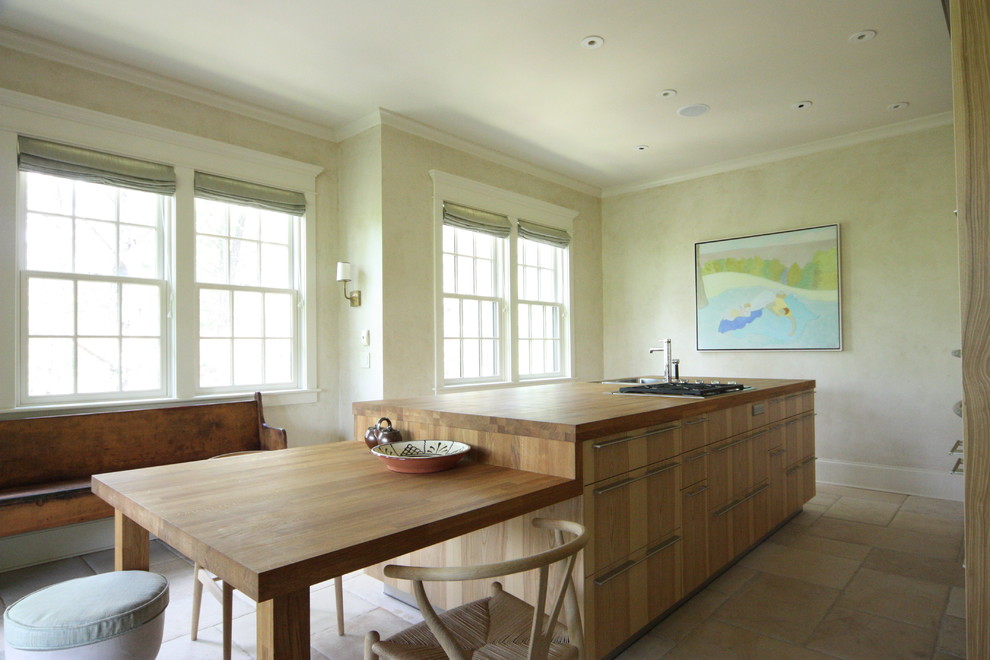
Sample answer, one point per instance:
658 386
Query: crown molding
852 139
385 117
43 48
24 113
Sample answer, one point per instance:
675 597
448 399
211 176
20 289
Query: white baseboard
58 543
910 481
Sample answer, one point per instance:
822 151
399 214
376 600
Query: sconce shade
343 271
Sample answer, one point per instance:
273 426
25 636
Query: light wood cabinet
615 454
694 528
629 511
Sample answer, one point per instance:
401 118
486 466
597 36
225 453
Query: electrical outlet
366 337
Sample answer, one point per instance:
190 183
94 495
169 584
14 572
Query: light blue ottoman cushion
85 610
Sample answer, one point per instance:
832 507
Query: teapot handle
378 424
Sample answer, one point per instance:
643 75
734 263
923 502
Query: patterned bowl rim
455 449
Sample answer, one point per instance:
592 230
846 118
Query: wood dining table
272 524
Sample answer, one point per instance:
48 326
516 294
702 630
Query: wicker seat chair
500 626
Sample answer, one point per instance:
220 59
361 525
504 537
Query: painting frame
774 291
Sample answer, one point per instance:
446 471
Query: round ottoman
111 616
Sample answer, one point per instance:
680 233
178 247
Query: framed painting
776 291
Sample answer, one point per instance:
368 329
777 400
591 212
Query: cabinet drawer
694 466
799 437
694 528
736 465
694 432
615 454
626 597
630 511
799 402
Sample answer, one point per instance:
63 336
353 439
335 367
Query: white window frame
21 114
451 188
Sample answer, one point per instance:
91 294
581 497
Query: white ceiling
512 74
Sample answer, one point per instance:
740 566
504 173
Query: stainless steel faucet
668 365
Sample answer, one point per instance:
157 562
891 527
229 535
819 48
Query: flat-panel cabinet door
618 600
694 529
694 432
611 455
777 494
793 476
664 571
694 466
629 511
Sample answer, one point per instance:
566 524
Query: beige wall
306 423
885 400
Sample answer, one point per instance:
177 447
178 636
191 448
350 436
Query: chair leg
197 599
338 586
228 619
370 640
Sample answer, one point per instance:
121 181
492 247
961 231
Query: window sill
270 399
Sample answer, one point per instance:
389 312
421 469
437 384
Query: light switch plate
364 360
366 337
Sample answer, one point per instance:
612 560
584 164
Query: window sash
26 276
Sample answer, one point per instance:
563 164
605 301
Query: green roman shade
465 217
234 191
542 234
82 164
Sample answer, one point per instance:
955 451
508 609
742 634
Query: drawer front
694 432
694 466
626 597
799 402
694 513
630 511
615 454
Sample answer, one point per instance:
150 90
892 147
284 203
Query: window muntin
247 297
93 290
472 299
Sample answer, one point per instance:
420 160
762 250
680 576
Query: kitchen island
674 489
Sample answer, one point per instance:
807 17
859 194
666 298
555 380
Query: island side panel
556 457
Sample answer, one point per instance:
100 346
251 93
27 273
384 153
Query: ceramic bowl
420 456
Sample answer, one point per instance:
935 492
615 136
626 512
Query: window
93 286
503 291
102 314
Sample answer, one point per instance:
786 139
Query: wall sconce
344 275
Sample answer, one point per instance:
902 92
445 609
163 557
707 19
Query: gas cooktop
684 389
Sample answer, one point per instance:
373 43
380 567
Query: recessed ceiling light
641 147
667 93
802 105
693 110
900 105
593 41
865 35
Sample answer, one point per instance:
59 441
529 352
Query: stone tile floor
858 575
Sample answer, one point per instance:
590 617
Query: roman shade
234 191
465 217
542 234
64 160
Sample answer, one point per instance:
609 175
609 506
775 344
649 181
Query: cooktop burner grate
683 389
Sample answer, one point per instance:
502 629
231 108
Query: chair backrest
544 618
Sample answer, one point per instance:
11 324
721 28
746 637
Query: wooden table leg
283 627
131 545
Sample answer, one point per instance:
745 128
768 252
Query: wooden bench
46 462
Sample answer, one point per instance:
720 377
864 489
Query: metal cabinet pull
696 457
663 546
719 450
695 421
733 504
616 572
957 448
778 451
809 460
697 492
609 443
629 480
958 468
792 469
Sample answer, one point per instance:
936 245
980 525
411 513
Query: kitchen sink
634 380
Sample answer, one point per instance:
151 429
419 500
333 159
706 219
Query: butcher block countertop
566 411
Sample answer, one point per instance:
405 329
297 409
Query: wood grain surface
971 105
275 522
566 411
